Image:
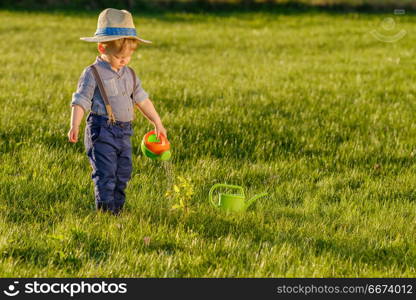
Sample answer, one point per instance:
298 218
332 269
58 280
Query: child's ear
101 48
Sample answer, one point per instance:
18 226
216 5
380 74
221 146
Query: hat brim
107 38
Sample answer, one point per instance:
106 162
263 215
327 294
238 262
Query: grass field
310 108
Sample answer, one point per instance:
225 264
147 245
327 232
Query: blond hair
117 46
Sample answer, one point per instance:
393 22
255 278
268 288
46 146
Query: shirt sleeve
139 93
85 91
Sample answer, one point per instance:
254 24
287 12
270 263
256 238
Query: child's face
119 60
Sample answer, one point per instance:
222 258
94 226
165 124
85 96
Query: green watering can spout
251 201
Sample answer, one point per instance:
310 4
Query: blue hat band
116 31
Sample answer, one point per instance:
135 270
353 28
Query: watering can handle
160 141
217 185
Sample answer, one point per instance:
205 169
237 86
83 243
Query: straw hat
114 24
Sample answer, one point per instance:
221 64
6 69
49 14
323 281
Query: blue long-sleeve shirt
119 88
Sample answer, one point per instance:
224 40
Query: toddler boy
110 90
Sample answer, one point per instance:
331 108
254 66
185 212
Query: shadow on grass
30 254
31 203
363 252
228 139
14 139
216 226
70 254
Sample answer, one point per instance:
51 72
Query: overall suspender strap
97 77
134 88
134 80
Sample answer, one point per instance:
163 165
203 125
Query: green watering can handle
217 185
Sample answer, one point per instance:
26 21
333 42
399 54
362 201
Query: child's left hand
160 130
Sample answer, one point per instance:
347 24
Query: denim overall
110 154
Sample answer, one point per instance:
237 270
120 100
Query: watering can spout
251 201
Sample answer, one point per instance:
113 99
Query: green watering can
232 202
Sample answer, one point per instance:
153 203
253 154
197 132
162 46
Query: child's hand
160 130
73 134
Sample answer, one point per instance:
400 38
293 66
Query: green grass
310 108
